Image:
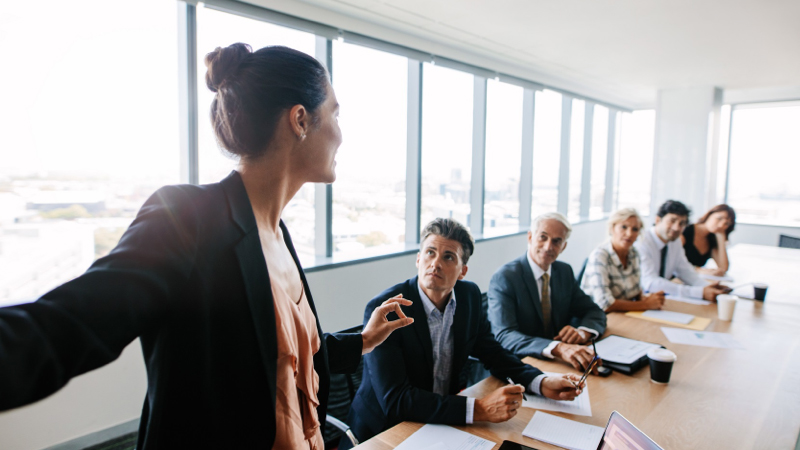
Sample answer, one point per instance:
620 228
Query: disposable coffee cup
661 362
760 291
726 303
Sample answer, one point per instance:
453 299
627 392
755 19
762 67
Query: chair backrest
788 241
583 269
342 392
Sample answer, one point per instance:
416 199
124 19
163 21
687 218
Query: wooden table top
717 398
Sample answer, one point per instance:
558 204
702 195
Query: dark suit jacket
189 278
515 309
398 375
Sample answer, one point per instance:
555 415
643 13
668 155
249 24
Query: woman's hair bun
223 63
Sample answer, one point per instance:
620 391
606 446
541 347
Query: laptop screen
622 435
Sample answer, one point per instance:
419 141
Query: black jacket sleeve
87 322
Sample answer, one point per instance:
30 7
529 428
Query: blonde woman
612 276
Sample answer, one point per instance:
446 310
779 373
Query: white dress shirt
649 246
440 325
537 275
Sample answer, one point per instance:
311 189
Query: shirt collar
537 271
428 304
614 256
659 243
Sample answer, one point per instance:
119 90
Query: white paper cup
661 361
726 303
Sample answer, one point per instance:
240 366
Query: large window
446 143
576 159
219 29
636 160
503 156
546 152
764 161
89 126
369 197
599 161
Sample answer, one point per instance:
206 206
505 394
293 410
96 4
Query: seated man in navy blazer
414 374
534 299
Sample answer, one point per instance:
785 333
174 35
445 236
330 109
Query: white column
686 145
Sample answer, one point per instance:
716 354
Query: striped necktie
548 331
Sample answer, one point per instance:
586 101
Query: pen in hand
524 397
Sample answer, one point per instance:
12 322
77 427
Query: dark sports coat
190 280
398 375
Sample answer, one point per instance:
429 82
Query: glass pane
546 152
446 143
636 160
765 156
576 159
369 197
89 132
503 156
219 29
599 160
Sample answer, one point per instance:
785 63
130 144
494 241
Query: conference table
741 398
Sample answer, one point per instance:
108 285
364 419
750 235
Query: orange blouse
297 424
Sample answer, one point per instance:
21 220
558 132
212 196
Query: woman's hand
653 300
379 327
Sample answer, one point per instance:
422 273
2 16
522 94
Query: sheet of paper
581 406
436 446
693 301
563 432
622 350
699 323
710 277
701 338
442 437
669 316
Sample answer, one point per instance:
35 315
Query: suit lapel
460 338
420 327
533 288
255 276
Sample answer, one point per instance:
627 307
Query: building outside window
369 196
89 130
764 161
503 156
447 98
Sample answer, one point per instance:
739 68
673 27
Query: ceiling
627 49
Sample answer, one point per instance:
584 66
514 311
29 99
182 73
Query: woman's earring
302 136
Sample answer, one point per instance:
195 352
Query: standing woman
708 238
613 276
208 279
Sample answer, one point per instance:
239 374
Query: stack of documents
671 318
617 349
701 338
563 432
693 301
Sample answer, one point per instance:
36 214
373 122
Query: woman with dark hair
708 238
208 279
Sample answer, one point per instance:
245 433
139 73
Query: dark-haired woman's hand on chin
379 327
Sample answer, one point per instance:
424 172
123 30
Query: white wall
746 233
686 142
91 402
113 394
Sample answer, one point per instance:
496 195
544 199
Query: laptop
619 434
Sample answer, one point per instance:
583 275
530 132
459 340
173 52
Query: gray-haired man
534 300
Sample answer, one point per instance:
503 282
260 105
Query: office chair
583 269
788 241
341 394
